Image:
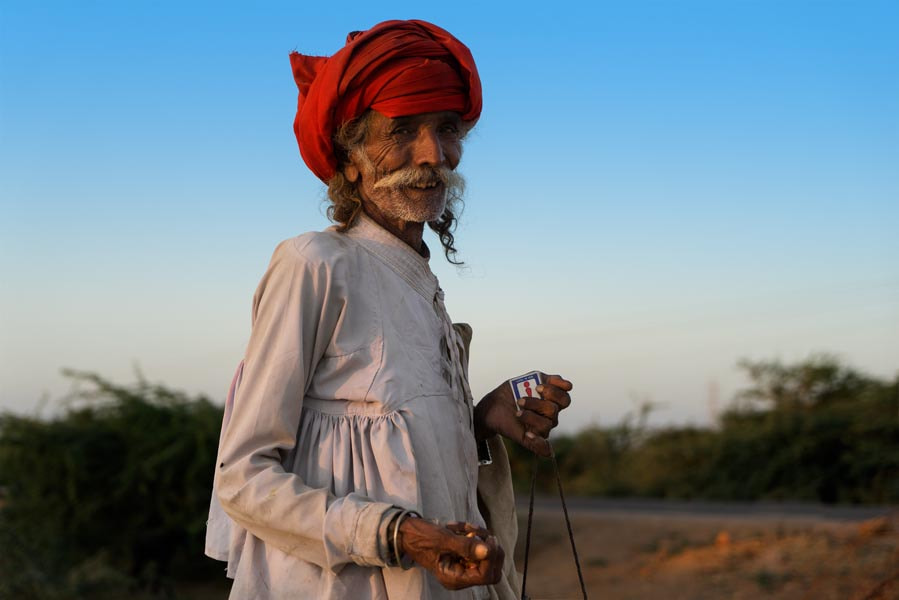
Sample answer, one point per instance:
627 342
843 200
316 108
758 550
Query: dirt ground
666 555
628 555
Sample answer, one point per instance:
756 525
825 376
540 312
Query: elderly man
352 449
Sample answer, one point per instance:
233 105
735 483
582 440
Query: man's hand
527 423
459 555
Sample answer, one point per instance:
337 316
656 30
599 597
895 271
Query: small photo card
525 386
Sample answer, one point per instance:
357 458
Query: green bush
112 495
815 431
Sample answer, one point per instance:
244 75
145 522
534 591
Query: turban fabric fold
397 68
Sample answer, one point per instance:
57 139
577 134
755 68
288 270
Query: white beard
401 195
395 203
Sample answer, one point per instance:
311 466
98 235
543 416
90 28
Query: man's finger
554 394
536 444
486 572
548 409
480 575
451 567
499 557
558 381
470 548
536 423
463 528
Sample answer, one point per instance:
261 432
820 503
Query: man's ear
351 172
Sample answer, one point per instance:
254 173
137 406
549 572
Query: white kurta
348 404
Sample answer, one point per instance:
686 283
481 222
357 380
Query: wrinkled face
406 164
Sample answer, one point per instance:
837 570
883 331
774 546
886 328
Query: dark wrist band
484 456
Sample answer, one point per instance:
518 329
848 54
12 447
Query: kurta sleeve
295 311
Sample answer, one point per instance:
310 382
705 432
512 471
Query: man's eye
402 131
450 131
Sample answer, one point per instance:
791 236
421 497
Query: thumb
471 548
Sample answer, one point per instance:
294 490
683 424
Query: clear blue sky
656 189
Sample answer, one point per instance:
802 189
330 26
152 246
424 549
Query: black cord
527 542
577 562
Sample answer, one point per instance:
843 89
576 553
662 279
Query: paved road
701 508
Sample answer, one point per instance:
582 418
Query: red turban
397 68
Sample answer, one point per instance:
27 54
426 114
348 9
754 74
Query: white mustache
420 176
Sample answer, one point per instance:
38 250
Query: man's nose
428 149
